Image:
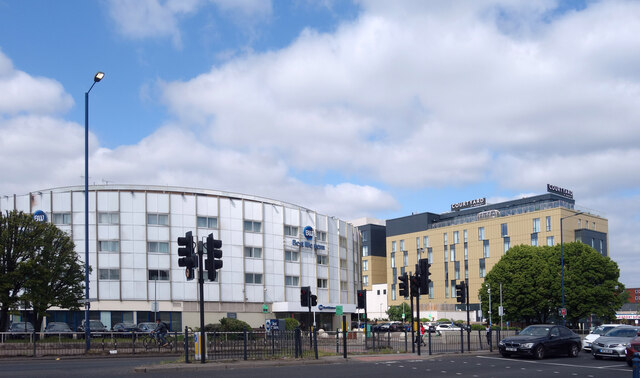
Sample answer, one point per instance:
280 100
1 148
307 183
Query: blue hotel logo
308 232
40 216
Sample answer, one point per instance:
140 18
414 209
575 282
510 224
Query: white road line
616 367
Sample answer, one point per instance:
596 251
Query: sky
352 108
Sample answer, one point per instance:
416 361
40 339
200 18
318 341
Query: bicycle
152 340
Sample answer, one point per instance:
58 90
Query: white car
597 332
447 327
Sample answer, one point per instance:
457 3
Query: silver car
613 344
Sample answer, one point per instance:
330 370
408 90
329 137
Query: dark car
125 327
95 327
20 329
541 340
633 348
58 328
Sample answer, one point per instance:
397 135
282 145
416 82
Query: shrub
233 325
290 324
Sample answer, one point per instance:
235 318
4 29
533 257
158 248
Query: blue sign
40 216
308 233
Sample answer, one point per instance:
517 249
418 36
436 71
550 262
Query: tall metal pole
490 306
501 310
203 337
466 288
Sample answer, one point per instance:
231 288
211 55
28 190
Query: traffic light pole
203 337
466 288
413 338
418 316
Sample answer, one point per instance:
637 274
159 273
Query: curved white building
133 254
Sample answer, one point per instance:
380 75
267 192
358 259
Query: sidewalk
241 364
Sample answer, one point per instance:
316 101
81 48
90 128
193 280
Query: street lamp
87 330
562 264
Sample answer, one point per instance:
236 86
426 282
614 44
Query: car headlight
501 343
527 345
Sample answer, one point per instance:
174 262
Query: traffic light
362 299
424 275
415 286
189 260
461 292
314 300
404 285
305 295
214 254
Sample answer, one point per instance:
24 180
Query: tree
531 280
19 236
395 312
528 285
56 276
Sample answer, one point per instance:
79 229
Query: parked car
20 329
146 327
541 340
613 344
125 327
447 327
96 328
58 328
597 332
633 348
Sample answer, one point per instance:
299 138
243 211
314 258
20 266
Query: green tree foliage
531 280
395 312
38 265
290 324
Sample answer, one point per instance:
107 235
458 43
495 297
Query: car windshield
535 331
21 326
96 324
601 330
58 327
622 332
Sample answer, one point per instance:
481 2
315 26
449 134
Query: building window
457 270
365 265
446 289
365 250
109 274
504 230
485 248
446 253
456 237
344 286
466 252
464 232
158 247
601 245
425 242
61 218
290 231
550 241
405 258
205 276
343 263
466 270
453 252
252 226
207 222
402 245
393 259
431 294
323 283
480 233
579 222
321 236
536 224
158 219
253 278
446 239
393 292
253 252
365 236
548 224
393 246
507 244
322 260
158 275
534 239
483 269
292 256
108 218
430 255
108 246
291 281
418 242
402 270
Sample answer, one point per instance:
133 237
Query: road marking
612 367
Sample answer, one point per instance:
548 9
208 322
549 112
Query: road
455 365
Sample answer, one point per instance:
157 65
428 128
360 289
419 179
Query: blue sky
364 108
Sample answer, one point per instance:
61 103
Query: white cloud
22 93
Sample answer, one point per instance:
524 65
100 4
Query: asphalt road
403 365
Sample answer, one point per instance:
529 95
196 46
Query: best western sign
308 234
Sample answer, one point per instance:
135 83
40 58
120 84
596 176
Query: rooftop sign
558 190
466 204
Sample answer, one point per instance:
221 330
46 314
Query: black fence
249 345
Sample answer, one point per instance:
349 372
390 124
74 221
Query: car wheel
505 354
574 350
538 353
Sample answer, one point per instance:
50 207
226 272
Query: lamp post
87 327
562 263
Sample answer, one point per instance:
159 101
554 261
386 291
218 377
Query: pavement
241 364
